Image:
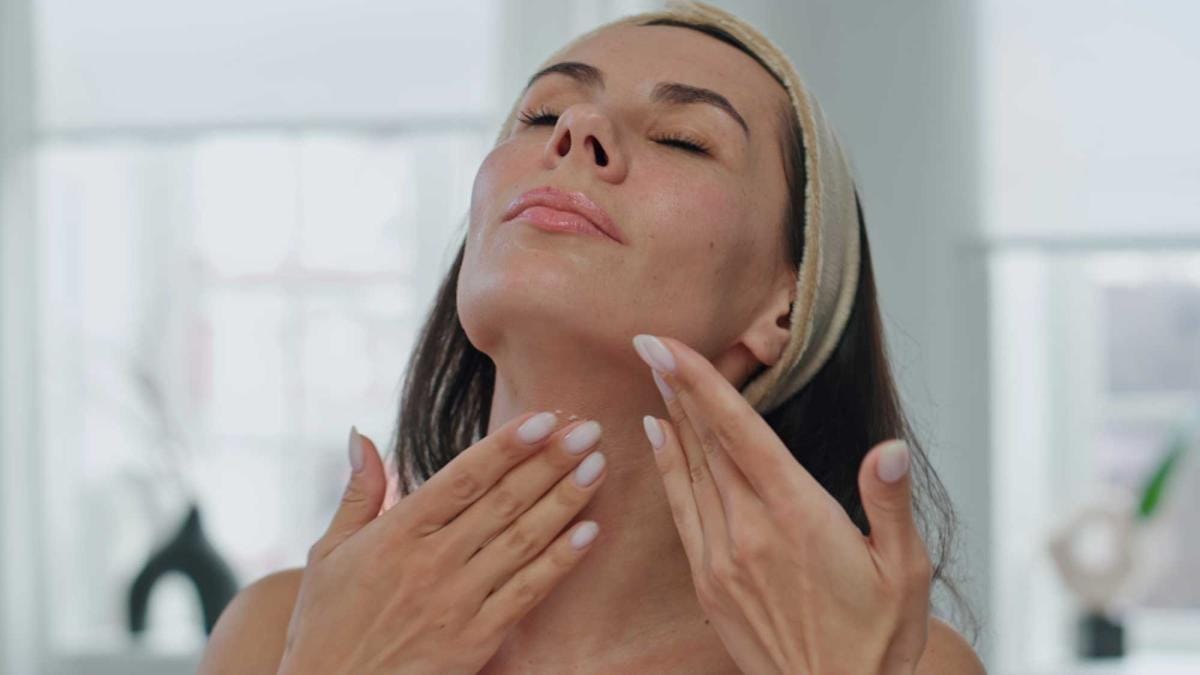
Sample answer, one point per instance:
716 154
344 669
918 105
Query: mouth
553 209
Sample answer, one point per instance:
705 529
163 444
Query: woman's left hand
790 584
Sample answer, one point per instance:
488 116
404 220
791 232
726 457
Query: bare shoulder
946 651
250 633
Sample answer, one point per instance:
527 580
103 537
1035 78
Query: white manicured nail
584 534
537 427
589 469
356 450
654 352
893 461
654 432
582 437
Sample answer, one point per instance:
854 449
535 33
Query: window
1096 370
219 311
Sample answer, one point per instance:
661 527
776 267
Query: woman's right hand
433 584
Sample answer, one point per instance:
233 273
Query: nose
586 135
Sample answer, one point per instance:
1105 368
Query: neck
634 586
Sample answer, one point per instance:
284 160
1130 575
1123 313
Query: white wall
1090 118
18 634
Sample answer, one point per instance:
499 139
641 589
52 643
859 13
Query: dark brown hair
849 406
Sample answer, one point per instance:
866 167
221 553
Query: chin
509 302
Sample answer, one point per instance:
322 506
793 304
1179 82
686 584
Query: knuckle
464 486
520 543
506 505
354 494
724 570
697 472
746 548
525 594
894 506
709 440
678 415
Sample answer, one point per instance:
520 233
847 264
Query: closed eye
541 117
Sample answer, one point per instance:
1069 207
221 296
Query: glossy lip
572 202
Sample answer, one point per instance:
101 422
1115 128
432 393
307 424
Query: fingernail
663 388
654 432
582 437
584 534
356 450
893 461
590 469
537 427
654 352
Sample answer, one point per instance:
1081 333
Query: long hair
849 406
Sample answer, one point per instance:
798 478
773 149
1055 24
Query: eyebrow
673 93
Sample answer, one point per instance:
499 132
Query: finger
473 472
360 500
884 481
525 589
512 549
521 490
673 466
737 496
768 465
708 502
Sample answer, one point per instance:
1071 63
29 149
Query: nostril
564 145
601 157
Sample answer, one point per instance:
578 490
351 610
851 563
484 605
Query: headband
828 272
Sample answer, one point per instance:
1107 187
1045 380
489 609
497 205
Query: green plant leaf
1152 492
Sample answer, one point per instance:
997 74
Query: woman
759 535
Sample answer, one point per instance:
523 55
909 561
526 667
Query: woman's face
704 244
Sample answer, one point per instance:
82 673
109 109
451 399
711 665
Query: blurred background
221 224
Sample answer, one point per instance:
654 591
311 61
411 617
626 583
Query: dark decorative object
1099 637
189 553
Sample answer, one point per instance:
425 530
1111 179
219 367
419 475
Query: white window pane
357 202
249 335
242 501
246 196
350 361
1153 336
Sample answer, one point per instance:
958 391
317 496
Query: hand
434 584
788 581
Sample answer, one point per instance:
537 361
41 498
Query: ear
762 343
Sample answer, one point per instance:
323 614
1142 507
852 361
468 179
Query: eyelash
693 145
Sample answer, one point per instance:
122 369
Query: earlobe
761 346
768 336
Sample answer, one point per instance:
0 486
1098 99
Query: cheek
697 225
488 185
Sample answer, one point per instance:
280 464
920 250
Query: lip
568 202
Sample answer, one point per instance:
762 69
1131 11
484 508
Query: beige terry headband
828 273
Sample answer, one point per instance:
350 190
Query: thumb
885 483
360 500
